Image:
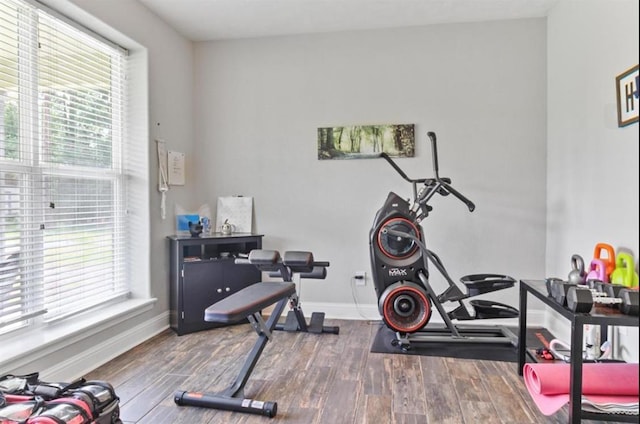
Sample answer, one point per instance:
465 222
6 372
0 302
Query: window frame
31 166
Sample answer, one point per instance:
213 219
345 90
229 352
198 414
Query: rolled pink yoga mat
548 384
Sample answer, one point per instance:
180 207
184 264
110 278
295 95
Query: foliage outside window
62 185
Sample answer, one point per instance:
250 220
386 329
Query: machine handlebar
401 172
426 181
446 184
440 185
460 197
434 151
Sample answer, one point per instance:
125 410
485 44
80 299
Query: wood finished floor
327 378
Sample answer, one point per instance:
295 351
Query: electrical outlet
360 278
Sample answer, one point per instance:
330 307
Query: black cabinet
203 272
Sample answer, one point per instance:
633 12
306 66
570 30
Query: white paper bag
237 210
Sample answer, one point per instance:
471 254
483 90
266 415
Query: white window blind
62 187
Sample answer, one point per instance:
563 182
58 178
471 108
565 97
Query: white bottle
591 341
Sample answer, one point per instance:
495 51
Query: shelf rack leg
522 330
575 385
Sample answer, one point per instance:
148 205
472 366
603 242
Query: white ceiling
201 20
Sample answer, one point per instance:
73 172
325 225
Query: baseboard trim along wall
535 318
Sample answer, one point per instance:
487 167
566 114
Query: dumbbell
549 282
608 289
597 291
581 300
558 289
598 285
612 290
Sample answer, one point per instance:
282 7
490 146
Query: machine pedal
477 284
460 313
486 309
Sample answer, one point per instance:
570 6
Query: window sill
40 342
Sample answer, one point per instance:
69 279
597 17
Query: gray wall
592 189
480 86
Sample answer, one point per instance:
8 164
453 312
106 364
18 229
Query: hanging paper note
176 168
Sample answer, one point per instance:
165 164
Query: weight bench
248 304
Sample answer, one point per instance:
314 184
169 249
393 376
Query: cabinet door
237 277
207 282
202 286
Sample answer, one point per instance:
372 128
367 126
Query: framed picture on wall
627 96
366 141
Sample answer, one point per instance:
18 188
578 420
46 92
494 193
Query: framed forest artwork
366 141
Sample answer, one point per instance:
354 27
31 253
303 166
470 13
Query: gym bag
38 411
28 400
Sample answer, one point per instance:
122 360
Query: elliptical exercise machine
399 263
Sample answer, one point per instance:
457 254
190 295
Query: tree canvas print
366 141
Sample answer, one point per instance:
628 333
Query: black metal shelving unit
599 315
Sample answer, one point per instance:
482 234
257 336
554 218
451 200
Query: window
63 188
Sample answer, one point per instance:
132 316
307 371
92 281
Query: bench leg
232 399
226 403
297 322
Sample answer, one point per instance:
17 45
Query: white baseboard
88 360
347 311
535 318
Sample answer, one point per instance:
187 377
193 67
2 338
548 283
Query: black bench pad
298 259
248 301
264 257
